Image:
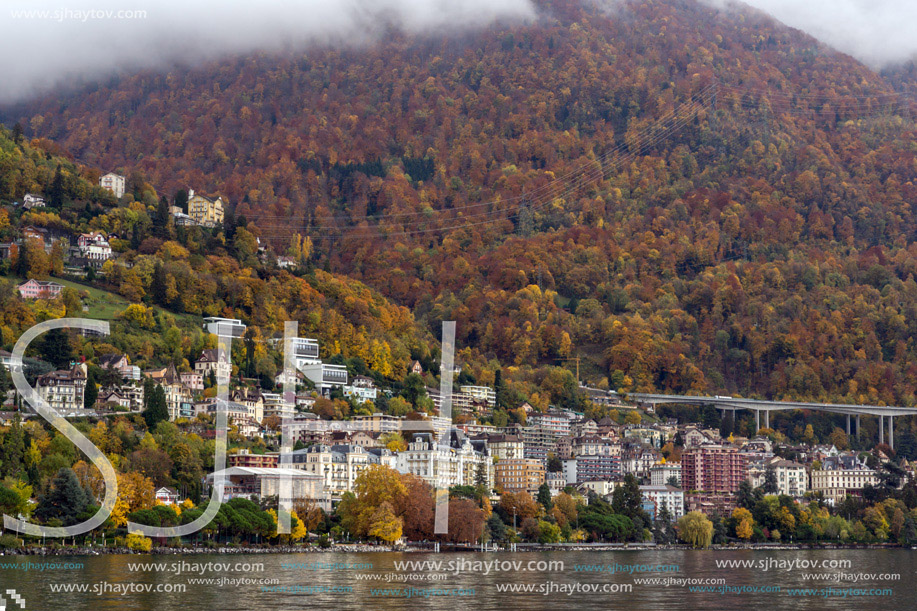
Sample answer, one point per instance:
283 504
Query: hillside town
680 467
551 459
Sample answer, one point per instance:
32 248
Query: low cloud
46 44
877 32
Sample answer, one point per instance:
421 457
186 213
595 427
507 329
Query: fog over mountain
49 43
877 32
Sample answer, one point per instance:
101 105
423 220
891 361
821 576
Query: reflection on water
291 581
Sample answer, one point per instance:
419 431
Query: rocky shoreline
191 551
345 548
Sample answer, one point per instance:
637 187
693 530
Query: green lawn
102 304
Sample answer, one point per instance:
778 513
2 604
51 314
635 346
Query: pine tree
162 213
55 347
65 500
91 392
156 409
480 476
14 450
6 382
544 496
56 192
181 200
627 498
158 284
17 134
136 237
500 389
770 481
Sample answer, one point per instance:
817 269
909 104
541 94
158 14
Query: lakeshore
445 549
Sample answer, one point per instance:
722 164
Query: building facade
713 468
113 183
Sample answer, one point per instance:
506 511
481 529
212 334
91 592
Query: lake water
272 582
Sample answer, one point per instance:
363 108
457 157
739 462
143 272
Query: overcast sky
41 46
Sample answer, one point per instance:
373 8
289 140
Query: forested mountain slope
688 199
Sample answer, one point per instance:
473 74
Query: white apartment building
362 389
457 464
324 376
338 466
274 405
114 183
232 327
557 422
593 445
673 499
660 473
94 248
792 478
378 423
841 475
469 397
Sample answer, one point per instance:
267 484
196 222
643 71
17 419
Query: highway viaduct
732 404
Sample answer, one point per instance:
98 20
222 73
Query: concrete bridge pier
757 420
891 432
848 425
881 429
858 426
767 419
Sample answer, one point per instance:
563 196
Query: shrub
138 543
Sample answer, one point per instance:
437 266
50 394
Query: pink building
40 289
713 468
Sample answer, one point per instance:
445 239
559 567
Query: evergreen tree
908 532
500 389
627 499
17 133
6 382
56 192
229 226
663 529
413 388
770 481
544 496
65 500
91 392
727 427
162 214
158 284
14 450
181 200
480 476
747 496
496 528
136 236
156 409
55 347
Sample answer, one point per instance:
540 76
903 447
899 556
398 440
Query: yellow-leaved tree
384 524
135 492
